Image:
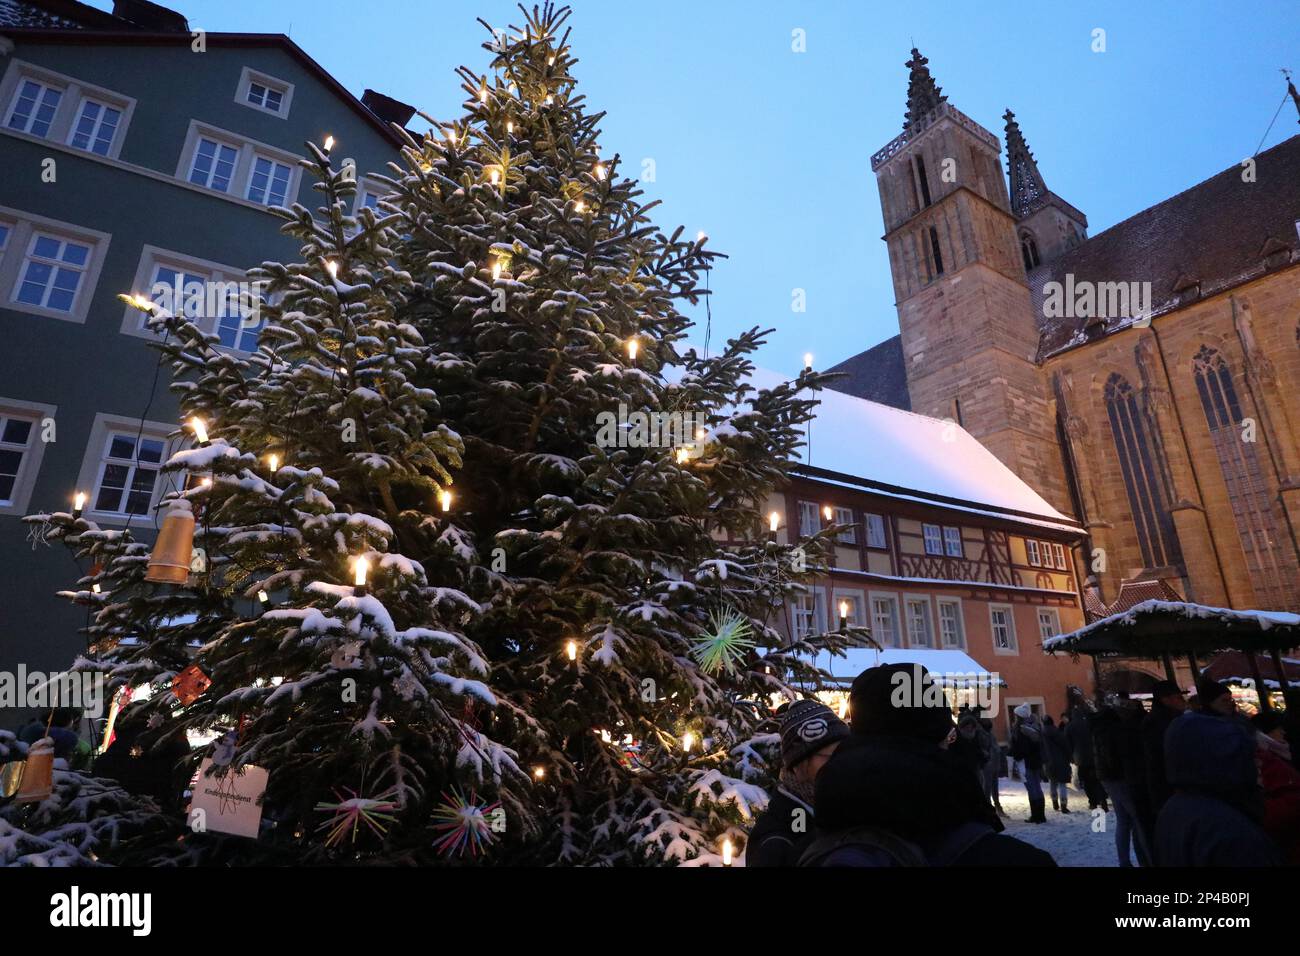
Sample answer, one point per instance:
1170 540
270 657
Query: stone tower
968 331
1046 225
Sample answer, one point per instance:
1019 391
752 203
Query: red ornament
189 685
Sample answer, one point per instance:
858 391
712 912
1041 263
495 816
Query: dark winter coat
781 833
1058 755
897 801
1213 817
1079 735
1027 745
1153 754
1117 746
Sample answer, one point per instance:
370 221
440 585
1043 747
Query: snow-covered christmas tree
449 614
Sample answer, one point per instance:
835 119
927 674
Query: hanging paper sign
230 803
38 774
198 561
190 684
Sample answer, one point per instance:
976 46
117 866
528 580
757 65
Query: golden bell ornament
38 773
170 561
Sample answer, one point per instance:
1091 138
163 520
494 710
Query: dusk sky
768 150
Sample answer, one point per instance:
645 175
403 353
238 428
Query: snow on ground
1068 837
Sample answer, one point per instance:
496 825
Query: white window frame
1053 621
246 151
365 188
1014 643
896 623
76 122
909 602
248 76
151 257
65 115
955 603
1032 554
937 536
817 597
46 87
948 542
232 183
845 516
28 469
24 226
92 465
871 526
1058 553
809 526
265 201
857 607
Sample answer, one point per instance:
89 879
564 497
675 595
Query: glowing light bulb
510 126
579 206
206 484
682 456
273 462
844 612
604 736
451 136
807 360
550 100
496 271
360 569
329 143
600 171
444 500
494 177
633 346
727 852
200 430
688 741
78 502
844 708
94 588
773 520
827 513
332 268
263 596
571 650
550 61
539 773
699 434
700 236
482 94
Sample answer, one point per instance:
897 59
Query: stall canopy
951 668
1154 629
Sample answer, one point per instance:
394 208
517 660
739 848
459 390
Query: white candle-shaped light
773 519
332 268
550 61
701 236
688 741
360 571
78 504
510 126
273 463
94 588
205 483
444 500
571 650
827 512
263 596
550 100
633 346
494 176
579 206
329 143
539 773
200 429
600 171
807 360
682 456
482 94
728 851
844 614
451 136
496 270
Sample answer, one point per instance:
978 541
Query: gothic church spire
1028 191
923 94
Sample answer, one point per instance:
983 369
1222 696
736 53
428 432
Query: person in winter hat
1167 702
810 732
1027 747
894 795
1215 699
1213 817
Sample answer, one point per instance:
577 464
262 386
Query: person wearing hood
893 795
1167 702
1281 782
991 771
1214 816
1027 746
810 732
1058 765
1117 747
1215 699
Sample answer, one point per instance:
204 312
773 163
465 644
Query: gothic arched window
1029 249
1144 476
1270 558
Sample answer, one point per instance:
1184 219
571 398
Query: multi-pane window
214 165
95 127
853 604
806 615
884 621
950 624
259 94
844 516
1031 550
810 521
33 107
952 542
933 538
1049 622
52 272
15 442
1004 628
918 623
876 531
1143 471
269 183
1058 555
185 293
235 333
1270 558
128 473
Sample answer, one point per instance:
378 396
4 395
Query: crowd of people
905 783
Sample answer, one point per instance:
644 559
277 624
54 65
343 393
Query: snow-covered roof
1245 620
865 439
949 666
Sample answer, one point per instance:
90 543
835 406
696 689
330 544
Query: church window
934 251
1270 560
923 180
1029 250
1144 476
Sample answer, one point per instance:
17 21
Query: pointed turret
1028 191
1046 224
923 94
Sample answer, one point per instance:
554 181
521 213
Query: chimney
387 109
150 16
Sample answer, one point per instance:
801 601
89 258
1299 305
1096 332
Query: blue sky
768 150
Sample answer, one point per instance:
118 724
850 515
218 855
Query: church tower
1046 224
968 331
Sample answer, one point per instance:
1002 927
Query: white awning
951 668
